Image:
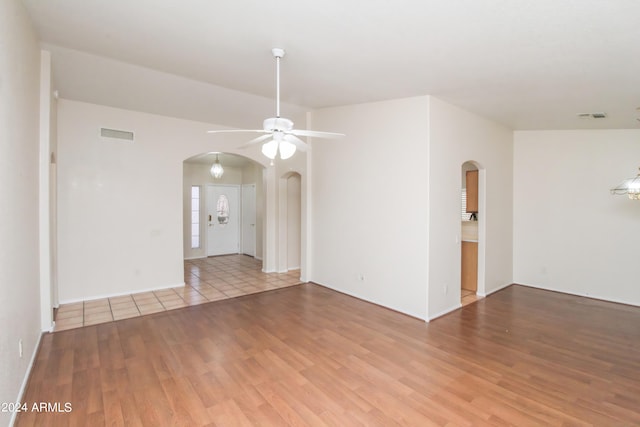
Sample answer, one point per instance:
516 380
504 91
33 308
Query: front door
223 218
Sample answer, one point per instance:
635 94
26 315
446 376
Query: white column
46 303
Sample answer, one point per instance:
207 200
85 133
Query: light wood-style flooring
309 356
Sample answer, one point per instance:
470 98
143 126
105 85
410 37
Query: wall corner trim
27 376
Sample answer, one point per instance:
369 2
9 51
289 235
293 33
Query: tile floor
468 297
207 279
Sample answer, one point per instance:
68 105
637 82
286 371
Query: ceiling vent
121 135
592 115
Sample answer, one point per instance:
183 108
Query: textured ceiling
525 64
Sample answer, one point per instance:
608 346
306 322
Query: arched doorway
472 227
200 214
290 224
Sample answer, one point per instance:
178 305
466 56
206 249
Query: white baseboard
443 312
119 294
579 294
27 375
485 294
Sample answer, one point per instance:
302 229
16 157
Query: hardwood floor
309 356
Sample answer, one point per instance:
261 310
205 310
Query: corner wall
369 203
120 204
457 136
19 206
570 234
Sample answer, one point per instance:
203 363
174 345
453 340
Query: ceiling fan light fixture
216 169
630 186
270 149
278 131
287 149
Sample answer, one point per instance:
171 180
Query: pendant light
630 186
216 169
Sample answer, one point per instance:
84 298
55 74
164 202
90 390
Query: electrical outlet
361 277
446 289
20 352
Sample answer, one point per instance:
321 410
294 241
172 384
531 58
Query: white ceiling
523 63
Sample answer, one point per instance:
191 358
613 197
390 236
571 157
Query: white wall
369 203
19 167
457 136
120 204
570 233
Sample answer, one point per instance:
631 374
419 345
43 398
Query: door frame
242 224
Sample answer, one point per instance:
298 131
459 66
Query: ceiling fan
278 131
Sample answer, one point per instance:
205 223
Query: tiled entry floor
207 279
468 297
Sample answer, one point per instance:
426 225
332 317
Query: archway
472 245
239 172
290 224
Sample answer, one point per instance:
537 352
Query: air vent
599 115
122 135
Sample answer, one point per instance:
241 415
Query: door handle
209 218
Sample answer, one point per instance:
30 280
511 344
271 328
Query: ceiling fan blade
300 144
256 140
237 130
316 134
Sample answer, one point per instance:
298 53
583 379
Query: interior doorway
290 223
247 176
469 221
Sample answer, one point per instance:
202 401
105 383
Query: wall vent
122 135
598 115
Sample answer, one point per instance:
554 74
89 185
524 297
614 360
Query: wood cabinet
470 266
472 191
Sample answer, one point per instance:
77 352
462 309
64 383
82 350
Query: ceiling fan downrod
278 53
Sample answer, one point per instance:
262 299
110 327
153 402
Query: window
465 215
195 216
222 209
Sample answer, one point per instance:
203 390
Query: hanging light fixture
630 186
278 144
287 149
270 149
216 169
